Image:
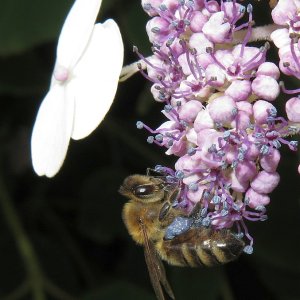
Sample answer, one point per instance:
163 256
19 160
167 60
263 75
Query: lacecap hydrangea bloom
219 97
89 59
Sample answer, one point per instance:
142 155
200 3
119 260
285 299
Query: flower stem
35 274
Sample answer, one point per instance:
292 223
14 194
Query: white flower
83 85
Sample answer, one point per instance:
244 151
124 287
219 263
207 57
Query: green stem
226 290
35 274
19 292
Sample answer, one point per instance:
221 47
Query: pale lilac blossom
221 125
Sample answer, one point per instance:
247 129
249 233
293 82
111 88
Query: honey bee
169 234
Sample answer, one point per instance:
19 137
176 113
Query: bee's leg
148 171
179 226
164 211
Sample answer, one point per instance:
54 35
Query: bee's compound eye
143 190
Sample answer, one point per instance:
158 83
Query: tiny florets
221 124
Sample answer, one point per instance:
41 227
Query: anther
159 137
206 221
139 125
150 139
179 174
193 187
248 249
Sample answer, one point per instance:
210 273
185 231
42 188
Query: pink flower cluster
286 39
218 100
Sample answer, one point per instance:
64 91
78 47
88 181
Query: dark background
63 238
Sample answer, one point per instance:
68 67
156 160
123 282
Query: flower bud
256 199
264 182
261 111
222 109
292 108
268 69
265 87
239 90
269 162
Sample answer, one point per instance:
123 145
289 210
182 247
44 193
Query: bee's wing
156 269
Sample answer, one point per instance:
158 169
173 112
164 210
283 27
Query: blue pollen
170 143
206 221
212 148
242 9
220 153
161 96
247 200
191 151
226 134
234 111
263 218
193 187
224 165
294 144
293 129
261 208
225 205
224 212
264 149
270 119
234 164
276 144
258 135
206 195
150 139
273 112
248 249
184 123
177 227
163 7
239 235
241 156
170 41
155 29
249 8
216 199
174 23
190 4
179 174
203 212
147 6
139 125
168 108
236 207
159 169
159 137
218 125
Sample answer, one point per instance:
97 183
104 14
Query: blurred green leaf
119 290
134 21
27 23
30 79
12 267
282 283
56 262
187 283
100 211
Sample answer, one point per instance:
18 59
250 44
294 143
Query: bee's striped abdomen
201 247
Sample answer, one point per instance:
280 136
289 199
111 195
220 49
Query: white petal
77 31
96 78
51 132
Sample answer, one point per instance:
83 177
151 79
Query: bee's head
143 188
